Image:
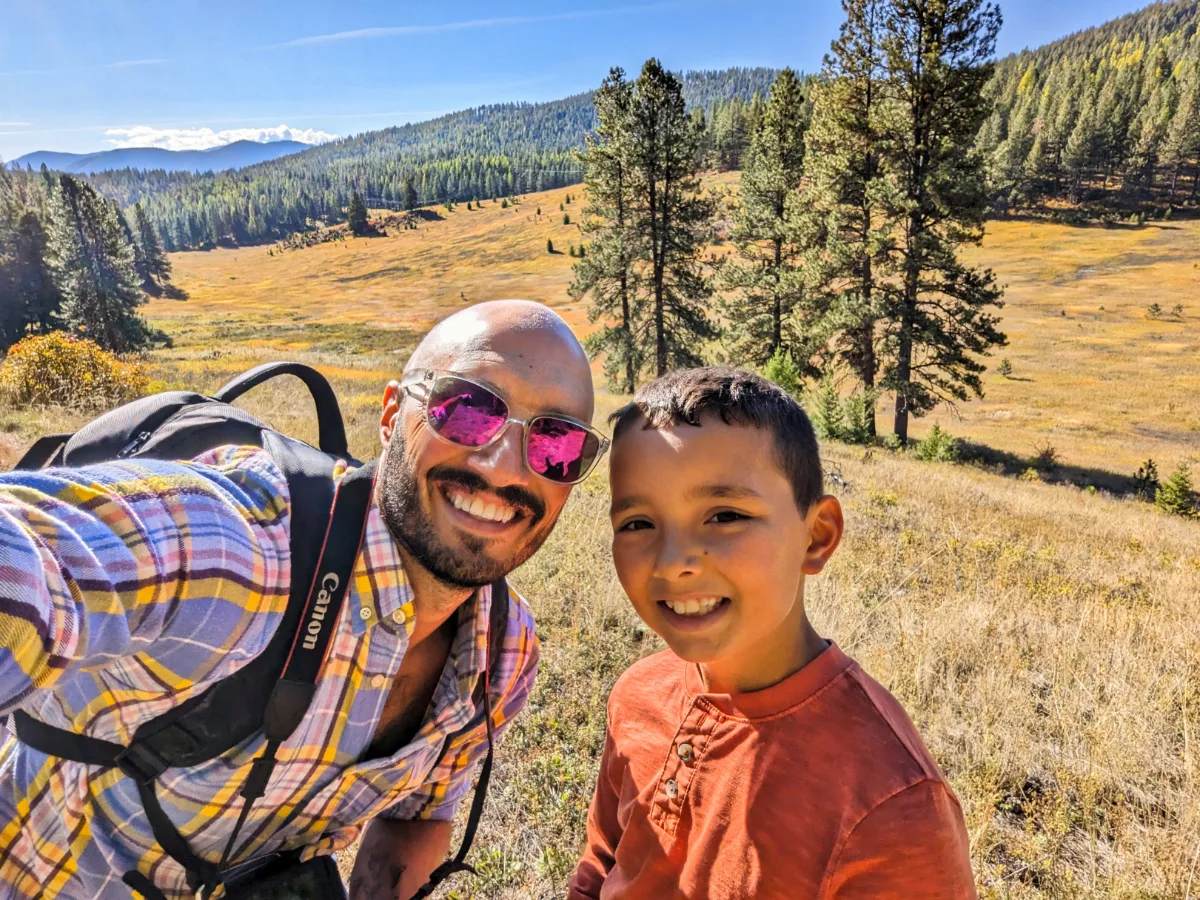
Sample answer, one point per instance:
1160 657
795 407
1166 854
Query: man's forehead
533 369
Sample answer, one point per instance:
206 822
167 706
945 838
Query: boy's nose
677 558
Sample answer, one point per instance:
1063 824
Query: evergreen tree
765 275
668 209
1181 147
937 56
842 226
94 268
1175 495
157 264
410 193
356 216
607 274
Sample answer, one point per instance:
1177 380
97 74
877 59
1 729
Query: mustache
511 494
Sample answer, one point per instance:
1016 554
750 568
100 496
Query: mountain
237 155
483 152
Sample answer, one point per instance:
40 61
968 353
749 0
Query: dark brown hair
739 398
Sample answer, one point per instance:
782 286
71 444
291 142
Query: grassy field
1043 638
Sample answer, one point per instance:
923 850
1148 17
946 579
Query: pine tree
356 216
607 274
156 258
1182 144
936 54
1175 495
93 269
410 193
549 245
668 208
841 223
765 274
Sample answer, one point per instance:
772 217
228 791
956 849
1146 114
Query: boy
753 758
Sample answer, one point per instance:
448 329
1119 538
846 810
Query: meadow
1043 637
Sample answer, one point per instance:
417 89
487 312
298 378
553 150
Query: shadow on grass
1004 462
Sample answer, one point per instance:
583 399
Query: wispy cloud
469 24
205 138
119 64
15 124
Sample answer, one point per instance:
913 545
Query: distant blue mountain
216 159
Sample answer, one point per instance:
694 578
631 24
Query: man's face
430 486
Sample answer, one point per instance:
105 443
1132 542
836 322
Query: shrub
1175 495
1154 311
566 218
781 369
1145 481
59 369
1005 367
857 415
504 203
549 245
939 446
1045 456
826 411
892 442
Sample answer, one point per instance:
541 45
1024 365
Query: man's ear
825 533
391 411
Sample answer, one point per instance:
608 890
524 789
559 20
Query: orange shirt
818 787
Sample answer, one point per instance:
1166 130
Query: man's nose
503 461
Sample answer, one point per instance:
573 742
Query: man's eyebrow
721 492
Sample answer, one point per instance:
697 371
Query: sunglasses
462 412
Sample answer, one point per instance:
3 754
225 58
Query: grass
1043 638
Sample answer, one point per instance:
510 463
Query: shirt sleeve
452 777
603 828
102 562
913 845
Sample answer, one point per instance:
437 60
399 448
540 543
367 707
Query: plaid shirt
125 589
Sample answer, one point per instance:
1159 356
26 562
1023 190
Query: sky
90 75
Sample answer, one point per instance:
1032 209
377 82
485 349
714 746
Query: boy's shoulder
651 681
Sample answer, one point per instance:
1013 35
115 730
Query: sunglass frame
425 379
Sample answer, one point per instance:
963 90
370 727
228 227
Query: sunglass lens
560 450
465 413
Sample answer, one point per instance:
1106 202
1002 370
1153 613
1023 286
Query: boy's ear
825 527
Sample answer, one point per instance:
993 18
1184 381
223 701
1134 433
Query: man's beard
412 527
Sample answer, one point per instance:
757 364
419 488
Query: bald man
483 437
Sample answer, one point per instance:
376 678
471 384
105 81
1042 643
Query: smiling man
126 588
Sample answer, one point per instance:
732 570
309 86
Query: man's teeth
693 606
491 511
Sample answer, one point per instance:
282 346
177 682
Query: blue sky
89 75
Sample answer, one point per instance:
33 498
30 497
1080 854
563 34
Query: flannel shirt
126 588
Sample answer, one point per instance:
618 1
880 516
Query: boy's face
708 542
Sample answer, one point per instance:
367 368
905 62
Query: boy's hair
739 398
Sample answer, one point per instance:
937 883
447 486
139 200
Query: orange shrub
59 369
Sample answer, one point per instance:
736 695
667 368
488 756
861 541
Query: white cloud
204 138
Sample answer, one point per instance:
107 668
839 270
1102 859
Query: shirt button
378 681
398 616
672 789
364 613
686 753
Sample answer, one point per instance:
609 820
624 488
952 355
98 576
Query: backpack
272 692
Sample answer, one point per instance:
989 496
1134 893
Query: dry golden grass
1044 639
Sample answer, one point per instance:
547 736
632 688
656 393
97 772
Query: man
126 588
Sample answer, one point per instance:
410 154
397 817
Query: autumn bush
59 369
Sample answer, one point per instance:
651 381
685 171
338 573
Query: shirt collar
382 595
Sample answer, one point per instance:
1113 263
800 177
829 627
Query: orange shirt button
686 753
672 789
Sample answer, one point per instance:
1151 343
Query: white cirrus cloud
205 138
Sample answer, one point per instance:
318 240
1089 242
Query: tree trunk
777 321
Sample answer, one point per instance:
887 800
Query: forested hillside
1109 114
488 151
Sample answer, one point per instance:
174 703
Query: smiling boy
753 758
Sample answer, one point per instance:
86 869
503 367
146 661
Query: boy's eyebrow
721 492
625 503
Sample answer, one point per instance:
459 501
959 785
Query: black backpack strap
43 451
332 431
497 628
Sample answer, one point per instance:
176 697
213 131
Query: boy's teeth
476 507
694 607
